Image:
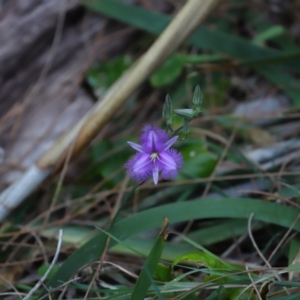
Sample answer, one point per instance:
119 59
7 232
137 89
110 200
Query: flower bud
167 110
186 113
197 99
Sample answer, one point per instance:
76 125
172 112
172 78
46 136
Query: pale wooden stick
182 26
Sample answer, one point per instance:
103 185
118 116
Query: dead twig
41 281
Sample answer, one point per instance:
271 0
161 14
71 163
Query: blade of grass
220 231
145 278
261 24
176 212
276 59
269 33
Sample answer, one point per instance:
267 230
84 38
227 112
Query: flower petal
137 147
153 139
170 142
155 175
139 168
142 164
167 161
168 173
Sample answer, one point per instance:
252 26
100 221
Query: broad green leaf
162 273
101 77
168 72
198 162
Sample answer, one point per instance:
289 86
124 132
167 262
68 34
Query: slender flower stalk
154 156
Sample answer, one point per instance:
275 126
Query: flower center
154 156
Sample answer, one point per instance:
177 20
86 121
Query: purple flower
154 156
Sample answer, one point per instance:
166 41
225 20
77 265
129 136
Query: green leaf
261 24
293 267
198 162
217 294
268 34
43 269
162 273
294 258
201 259
104 75
168 72
216 265
145 278
221 231
290 191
